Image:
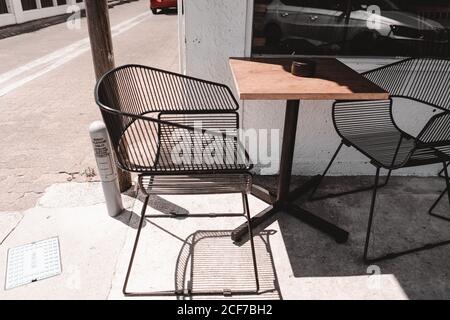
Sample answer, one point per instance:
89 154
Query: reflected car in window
156 5
333 26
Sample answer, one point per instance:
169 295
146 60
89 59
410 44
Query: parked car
162 4
334 24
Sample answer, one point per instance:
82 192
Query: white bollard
106 167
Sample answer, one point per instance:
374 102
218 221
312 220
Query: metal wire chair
180 134
441 173
370 127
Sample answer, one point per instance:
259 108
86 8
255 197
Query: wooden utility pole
102 54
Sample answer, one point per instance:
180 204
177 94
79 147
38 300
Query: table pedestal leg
287 149
284 197
263 194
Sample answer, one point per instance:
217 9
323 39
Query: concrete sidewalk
294 260
90 241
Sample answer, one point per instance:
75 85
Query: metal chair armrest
436 132
144 117
352 118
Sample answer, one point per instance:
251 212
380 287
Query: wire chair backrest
132 97
426 80
139 89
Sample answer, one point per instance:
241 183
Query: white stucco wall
7 19
214 30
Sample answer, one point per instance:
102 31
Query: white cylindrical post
106 168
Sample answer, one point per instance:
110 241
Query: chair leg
372 210
311 196
136 241
401 253
334 195
252 243
447 181
441 173
447 190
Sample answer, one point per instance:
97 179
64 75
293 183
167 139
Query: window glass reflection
352 27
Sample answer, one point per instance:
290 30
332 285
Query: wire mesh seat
370 126
203 184
180 134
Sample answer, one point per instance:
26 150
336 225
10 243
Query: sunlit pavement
295 261
173 253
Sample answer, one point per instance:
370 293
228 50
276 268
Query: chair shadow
401 223
162 205
129 218
201 268
166 207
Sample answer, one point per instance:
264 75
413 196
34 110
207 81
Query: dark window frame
3 7
46 3
29 5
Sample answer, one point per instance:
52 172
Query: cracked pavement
76 213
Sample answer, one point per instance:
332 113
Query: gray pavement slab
294 260
90 242
196 253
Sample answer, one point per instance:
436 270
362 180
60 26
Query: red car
162 4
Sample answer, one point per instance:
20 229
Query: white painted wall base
215 30
7 19
17 15
31 15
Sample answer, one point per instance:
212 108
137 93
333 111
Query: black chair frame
148 112
359 123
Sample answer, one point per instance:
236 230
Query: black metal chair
441 173
180 134
370 127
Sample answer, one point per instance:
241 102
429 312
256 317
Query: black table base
284 200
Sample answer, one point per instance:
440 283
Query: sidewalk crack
12 229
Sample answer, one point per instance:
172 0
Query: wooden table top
271 79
